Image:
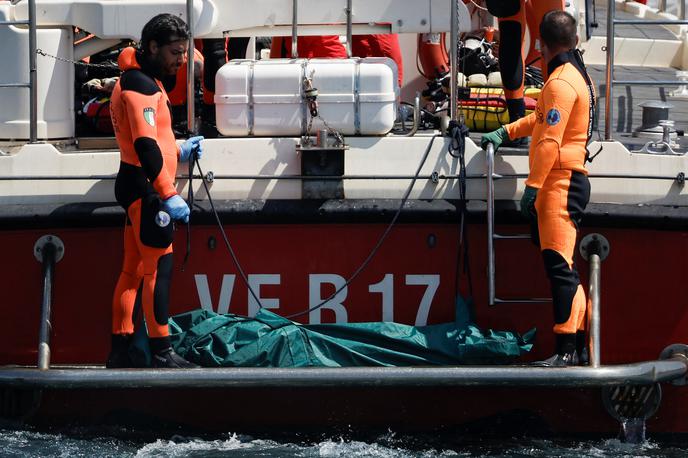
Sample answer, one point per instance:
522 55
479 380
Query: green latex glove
496 137
528 202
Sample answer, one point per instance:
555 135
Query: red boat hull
414 274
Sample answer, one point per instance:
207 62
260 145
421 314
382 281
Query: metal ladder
492 237
611 33
31 85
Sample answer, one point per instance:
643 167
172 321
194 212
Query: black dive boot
119 352
582 348
517 110
163 356
565 352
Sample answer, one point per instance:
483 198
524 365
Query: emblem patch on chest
553 117
149 116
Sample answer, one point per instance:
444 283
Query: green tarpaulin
269 340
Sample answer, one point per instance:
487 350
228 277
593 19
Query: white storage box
266 97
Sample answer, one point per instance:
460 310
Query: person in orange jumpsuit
142 122
513 17
309 47
557 189
379 45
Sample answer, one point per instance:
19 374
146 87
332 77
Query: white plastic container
55 81
266 97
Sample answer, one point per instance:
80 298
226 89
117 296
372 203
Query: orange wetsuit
176 86
560 128
514 16
143 127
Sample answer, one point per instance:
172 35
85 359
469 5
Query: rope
360 269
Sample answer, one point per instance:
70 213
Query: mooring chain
76 62
311 96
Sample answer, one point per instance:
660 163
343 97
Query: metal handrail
33 75
643 373
294 31
609 90
15 85
190 70
48 254
650 21
489 151
594 295
650 82
492 236
23 22
349 25
611 23
31 85
453 60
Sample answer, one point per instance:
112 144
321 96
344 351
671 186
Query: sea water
123 443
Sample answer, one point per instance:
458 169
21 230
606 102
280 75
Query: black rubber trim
150 156
510 58
161 291
131 184
104 214
564 282
578 197
151 234
136 80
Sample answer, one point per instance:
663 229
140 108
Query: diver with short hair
557 188
142 121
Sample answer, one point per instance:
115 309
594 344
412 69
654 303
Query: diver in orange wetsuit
557 189
513 17
145 187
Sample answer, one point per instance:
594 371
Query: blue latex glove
176 207
528 202
190 146
496 137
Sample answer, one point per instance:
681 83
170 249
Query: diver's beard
151 65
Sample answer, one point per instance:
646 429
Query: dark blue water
122 443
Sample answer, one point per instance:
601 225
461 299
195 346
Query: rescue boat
422 216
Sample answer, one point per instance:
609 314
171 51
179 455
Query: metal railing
492 237
31 85
662 8
48 250
611 34
594 248
190 70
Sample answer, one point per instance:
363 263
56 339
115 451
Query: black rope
360 269
382 238
457 149
226 240
190 202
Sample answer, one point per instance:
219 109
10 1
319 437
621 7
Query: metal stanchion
48 250
594 248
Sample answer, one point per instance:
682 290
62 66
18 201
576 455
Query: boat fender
432 55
